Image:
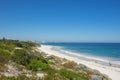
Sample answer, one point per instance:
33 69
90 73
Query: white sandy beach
112 72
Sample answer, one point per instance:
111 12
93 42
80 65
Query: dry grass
70 64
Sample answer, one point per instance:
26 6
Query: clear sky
61 20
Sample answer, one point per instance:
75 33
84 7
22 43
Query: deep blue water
109 51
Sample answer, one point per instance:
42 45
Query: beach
112 72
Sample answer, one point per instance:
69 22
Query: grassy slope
33 61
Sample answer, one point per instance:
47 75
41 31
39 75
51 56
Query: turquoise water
109 51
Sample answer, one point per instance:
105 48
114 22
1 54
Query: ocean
109 52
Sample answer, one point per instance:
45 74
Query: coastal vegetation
20 60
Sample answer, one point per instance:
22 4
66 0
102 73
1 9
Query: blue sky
61 20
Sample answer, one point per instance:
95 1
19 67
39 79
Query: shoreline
112 72
96 59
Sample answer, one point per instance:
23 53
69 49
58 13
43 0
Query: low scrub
70 64
21 57
36 65
72 75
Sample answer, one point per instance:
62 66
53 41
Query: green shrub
21 57
26 44
6 47
72 75
36 65
53 74
4 56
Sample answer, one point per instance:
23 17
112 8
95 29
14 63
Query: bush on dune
36 65
72 75
20 57
4 55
